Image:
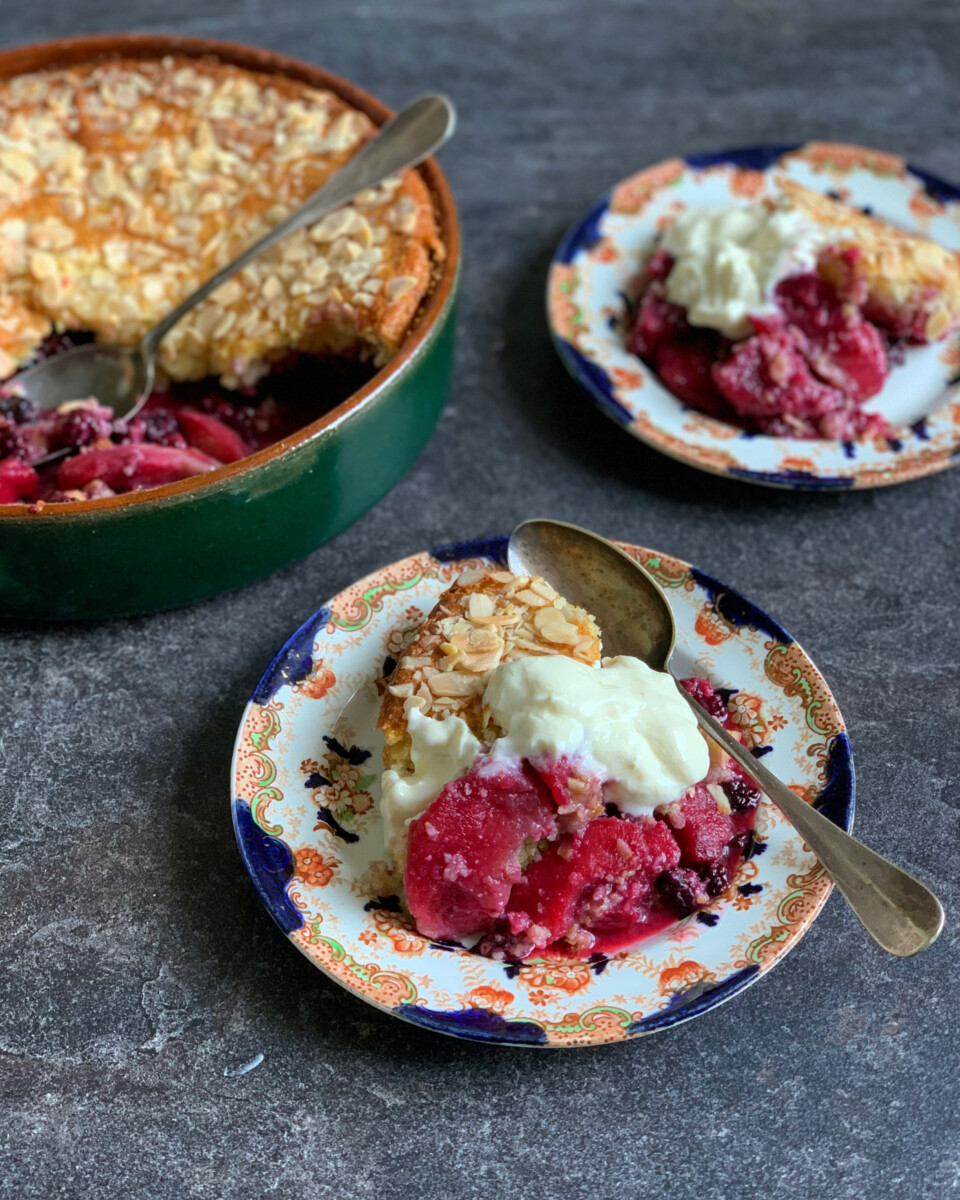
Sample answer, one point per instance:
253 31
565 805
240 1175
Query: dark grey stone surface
136 962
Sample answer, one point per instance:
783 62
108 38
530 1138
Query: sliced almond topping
484 638
480 664
224 325
42 265
502 576
553 627
937 325
399 286
479 604
332 225
542 588
455 683
531 598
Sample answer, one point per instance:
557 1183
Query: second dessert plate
305 787
594 272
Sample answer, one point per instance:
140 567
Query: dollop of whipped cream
728 261
440 751
624 723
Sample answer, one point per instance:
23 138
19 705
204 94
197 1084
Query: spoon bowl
120 377
898 911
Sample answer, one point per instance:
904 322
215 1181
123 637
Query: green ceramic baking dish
179 543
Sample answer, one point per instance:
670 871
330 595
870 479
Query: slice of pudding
786 317
535 798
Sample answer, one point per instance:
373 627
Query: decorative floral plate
596 264
305 785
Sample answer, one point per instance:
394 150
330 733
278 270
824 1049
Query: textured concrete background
136 962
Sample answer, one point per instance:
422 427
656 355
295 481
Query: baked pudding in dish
786 317
123 185
537 797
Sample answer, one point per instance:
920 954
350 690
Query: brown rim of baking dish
68 51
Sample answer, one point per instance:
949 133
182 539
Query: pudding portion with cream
786 317
564 803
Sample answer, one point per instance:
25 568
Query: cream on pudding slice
727 262
623 724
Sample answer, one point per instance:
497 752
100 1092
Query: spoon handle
898 911
404 141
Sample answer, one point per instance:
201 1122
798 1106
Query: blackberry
706 697
21 410
716 877
158 426
15 440
681 889
241 417
58 343
81 426
742 795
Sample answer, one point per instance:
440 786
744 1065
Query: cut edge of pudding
911 281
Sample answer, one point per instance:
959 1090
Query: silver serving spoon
121 377
634 615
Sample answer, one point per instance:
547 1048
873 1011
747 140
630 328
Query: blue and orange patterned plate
595 268
305 785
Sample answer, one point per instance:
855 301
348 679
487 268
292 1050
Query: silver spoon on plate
898 911
121 377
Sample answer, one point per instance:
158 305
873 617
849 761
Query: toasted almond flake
455 683
529 597
224 325
331 226
228 293
52 291
542 588
42 265
399 286
553 627
415 660
484 638
717 792
479 604
480 664
531 646
937 325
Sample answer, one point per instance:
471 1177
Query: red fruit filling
590 892
524 856
463 853
18 480
804 373
214 424
115 465
702 831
